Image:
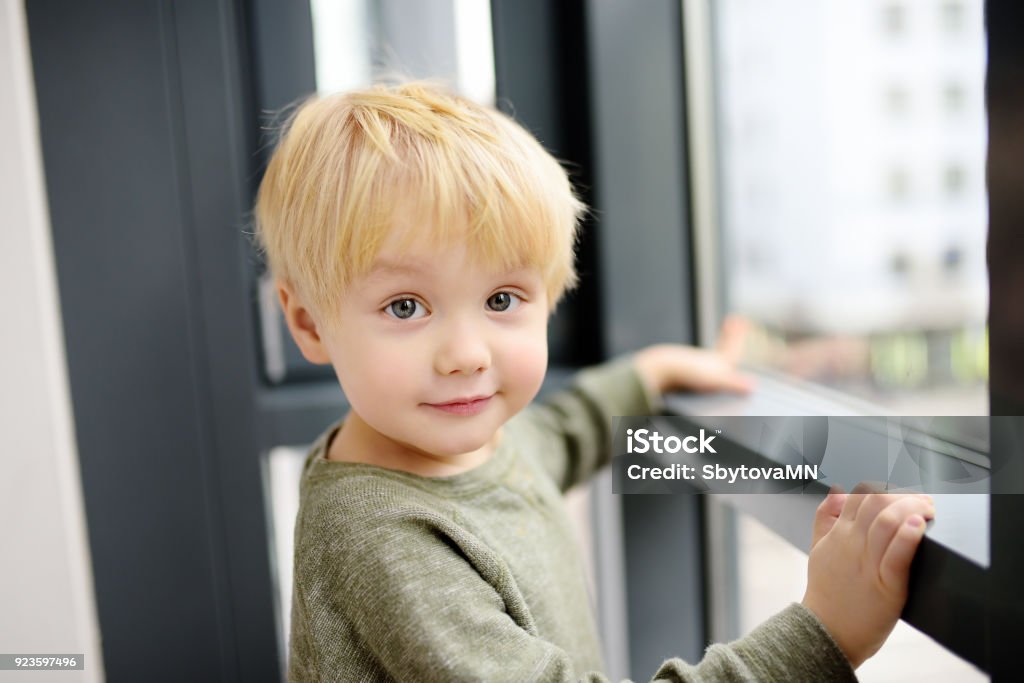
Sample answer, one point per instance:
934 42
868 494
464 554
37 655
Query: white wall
46 591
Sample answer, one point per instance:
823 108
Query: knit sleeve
573 427
790 646
411 603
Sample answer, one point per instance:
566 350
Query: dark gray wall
143 121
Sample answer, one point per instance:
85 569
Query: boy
419 243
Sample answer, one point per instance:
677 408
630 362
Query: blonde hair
347 162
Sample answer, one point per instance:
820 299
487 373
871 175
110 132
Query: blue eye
503 301
405 309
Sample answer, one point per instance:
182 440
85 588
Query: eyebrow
386 267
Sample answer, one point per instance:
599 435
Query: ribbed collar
485 475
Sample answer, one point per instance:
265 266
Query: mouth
470 405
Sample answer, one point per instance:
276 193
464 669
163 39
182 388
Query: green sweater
477 576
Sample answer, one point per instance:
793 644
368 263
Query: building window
953 97
897 184
954 180
897 100
953 16
894 19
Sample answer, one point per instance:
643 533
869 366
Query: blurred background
852 193
818 167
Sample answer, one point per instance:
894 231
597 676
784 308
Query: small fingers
860 493
833 503
872 505
738 382
827 514
888 524
854 501
731 338
895 563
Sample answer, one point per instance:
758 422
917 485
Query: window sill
949 577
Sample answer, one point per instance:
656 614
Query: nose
463 349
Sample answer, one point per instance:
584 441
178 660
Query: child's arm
577 421
574 425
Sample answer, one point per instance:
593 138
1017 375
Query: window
954 16
954 98
876 283
894 19
876 220
897 100
897 183
954 180
359 41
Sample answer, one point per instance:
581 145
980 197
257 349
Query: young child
419 242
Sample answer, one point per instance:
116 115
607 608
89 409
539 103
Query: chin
449 448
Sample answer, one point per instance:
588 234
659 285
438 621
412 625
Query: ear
302 326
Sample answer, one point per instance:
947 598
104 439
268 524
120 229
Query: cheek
529 363
373 371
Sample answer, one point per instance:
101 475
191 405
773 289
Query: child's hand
859 563
665 367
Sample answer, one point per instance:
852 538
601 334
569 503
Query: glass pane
850 173
360 41
282 471
851 157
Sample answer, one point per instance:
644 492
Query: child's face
435 352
